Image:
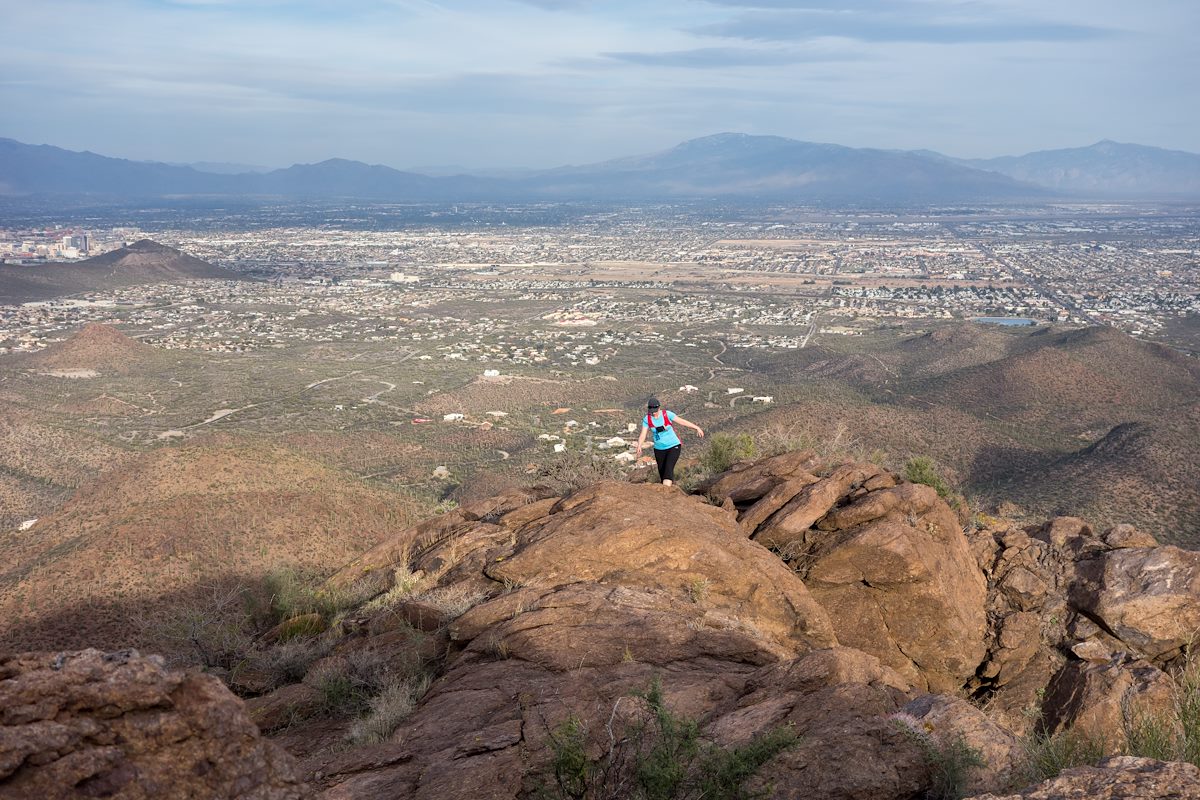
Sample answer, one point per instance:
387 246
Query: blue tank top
667 438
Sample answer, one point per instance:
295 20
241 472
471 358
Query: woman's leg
666 470
660 458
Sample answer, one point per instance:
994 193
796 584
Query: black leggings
666 462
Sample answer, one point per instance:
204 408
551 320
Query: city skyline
550 82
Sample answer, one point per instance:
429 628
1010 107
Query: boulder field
837 602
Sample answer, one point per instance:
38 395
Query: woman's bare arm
641 442
686 424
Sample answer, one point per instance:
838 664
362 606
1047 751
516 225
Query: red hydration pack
666 420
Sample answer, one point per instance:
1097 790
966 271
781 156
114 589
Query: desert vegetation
651 753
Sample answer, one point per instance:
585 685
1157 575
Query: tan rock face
944 718
1146 596
748 481
1094 699
647 538
91 724
1116 778
791 522
889 564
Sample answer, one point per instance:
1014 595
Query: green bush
1173 735
658 757
921 469
389 708
724 449
1046 754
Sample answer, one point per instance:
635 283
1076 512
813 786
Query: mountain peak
96 347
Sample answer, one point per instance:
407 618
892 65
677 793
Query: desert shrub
209 627
658 756
286 594
405 583
778 439
388 709
689 477
348 685
921 469
575 469
1173 735
1046 754
340 693
288 662
839 445
949 757
454 600
724 449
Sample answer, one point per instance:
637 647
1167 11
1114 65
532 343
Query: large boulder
91 724
793 520
895 573
839 702
1099 699
612 588
650 538
1116 778
944 719
746 481
1148 597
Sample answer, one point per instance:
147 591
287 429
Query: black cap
652 403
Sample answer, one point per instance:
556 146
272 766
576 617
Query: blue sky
548 82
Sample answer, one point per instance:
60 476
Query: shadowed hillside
1013 416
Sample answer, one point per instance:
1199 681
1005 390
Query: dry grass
405 583
394 704
454 600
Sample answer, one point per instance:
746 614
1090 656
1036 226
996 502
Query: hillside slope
220 510
1010 416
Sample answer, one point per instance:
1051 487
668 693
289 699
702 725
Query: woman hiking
661 426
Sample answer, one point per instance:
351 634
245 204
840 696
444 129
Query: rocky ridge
837 601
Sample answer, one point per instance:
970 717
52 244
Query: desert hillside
798 628
177 523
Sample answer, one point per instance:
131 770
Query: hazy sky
548 82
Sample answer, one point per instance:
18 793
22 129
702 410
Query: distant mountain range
723 166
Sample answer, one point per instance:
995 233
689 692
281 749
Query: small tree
921 469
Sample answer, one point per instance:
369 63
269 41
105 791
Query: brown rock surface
1147 597
1095 698
284 706
894 571
747 481
837 701
91 724
604 535
791 522
943 717
620 584
1028 580
1124 536
1116 778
